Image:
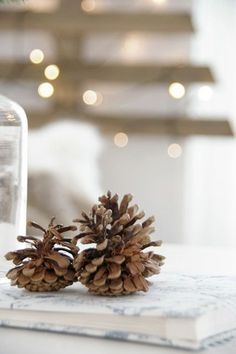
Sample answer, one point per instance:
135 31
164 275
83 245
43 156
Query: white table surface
186 259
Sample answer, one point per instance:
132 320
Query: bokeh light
45 90
36 56
121 139
175 151
52 72
88 5
91 97
177 90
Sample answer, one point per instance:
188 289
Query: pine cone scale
114 271
23 280
99 274
100 282
138 283
103 245
116 284
61 261
28 272
38 276
50 277
129 285
58 270
116 259
13 273
90 268
98 261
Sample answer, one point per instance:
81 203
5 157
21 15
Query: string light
45 90
90 97
51 72
177 90
121 139
88 5
36 56
205 93
174 151
159 2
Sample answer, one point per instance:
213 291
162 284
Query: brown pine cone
117 264
47 265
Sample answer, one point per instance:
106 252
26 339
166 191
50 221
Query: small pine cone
117 265
47 265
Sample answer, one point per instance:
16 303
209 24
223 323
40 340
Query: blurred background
133 96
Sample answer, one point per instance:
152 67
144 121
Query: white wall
194 197
210 190
144 169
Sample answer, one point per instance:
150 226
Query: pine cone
117 265
48 264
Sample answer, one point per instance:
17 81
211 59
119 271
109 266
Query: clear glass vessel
13 175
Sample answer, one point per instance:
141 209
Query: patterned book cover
175 297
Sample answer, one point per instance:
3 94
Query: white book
179 310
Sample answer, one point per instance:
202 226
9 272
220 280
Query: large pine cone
117 264
48 264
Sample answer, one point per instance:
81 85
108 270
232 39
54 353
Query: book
180 310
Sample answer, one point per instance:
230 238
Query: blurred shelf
77 22
141 125
68 25
75 70
145 73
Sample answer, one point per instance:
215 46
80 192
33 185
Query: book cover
179 310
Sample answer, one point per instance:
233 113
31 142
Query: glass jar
13 175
